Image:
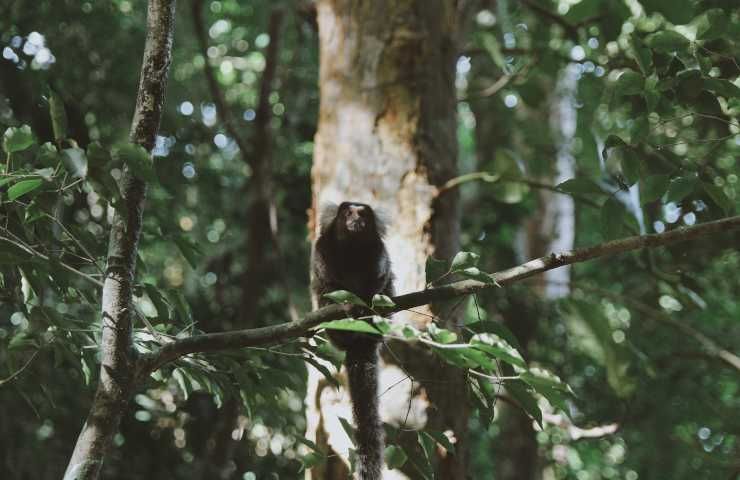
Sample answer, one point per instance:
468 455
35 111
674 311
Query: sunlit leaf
464 260
23 187
345 297
17 139
75 161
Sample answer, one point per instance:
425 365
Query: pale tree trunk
118 361
387 137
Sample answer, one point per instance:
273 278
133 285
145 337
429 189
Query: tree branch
117 355
285 331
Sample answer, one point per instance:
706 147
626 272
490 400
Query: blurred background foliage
645 340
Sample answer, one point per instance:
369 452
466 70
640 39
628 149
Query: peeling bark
118 362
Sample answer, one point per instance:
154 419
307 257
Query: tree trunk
118 361
387 137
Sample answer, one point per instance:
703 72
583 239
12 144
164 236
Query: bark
386 137
118 362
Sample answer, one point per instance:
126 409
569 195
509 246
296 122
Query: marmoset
349 254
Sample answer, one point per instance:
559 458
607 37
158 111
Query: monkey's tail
362 373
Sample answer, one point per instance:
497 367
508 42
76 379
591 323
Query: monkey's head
352 220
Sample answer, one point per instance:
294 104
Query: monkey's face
356 217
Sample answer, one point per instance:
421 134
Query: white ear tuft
327 214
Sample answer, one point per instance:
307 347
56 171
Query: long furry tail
362 372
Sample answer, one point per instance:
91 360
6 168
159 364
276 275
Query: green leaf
395 456
475 273
189 250
345 297
441 439
629 83
159 301
312 459
498 348
712 24
323 370
642 55
677 12
382 301
681 187
138 160
632 167
689 84
464 260
75 161
653 187
435 269
17 139
612 141
722 87
651 93
58 116
667 41
498 328
718 196
548 385
580 185
349 325
521 394
441 335
612 218
47 154
23 187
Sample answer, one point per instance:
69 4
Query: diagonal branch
275 334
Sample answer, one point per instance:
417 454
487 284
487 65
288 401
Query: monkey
349 254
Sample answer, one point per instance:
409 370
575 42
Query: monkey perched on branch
349 254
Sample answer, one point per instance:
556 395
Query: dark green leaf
189 250
632 167
689 84
722 87
521 394
47 154
58 116
612 218
653 187
681 187
435 269
323 370
629 83
667 41
718 197
677 12
395 456
441 439
498 348
441 335
642 55
498 328
580 185
712 24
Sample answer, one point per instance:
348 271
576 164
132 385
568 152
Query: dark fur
350 255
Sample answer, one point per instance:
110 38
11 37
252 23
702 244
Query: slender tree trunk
118 362
387 137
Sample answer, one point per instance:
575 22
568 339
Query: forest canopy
560 183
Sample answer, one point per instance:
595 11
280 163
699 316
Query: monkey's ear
327 213
382 218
